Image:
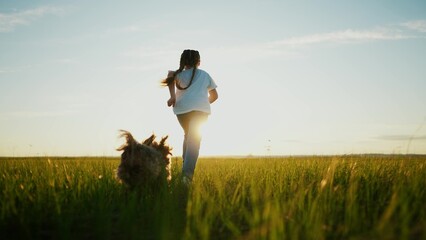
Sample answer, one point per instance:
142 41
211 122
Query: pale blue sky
294 77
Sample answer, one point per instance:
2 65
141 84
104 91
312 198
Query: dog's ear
149 140
129 139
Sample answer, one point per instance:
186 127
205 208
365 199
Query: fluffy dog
144 163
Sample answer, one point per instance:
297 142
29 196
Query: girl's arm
172 99
213 96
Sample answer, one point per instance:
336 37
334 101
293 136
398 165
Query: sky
294 77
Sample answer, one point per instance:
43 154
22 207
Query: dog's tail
129 140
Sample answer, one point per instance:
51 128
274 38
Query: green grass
318 197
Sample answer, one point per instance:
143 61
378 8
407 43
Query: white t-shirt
196 97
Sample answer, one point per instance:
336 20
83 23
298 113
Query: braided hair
189 58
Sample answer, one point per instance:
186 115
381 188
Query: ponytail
171 79
189 58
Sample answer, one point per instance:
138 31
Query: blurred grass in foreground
312 197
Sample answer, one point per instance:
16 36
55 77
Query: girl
196 90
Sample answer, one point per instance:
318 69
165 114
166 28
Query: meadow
309 197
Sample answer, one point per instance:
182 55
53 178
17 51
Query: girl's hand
171 101
213 96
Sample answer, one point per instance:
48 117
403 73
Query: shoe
186 181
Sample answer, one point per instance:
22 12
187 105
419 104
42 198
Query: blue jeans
191 123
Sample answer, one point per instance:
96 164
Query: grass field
316 197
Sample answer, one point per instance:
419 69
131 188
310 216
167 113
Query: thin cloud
132 68
419 25
345 36
290 46
130 29
125 29
135 28
39 114
291 141
9 21
401 137
143 52
15 69
66 61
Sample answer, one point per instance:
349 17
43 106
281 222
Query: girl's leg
184 147
184 123
192 123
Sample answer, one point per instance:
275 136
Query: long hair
189 58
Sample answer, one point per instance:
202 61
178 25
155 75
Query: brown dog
144 163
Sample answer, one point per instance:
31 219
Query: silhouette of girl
195 91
